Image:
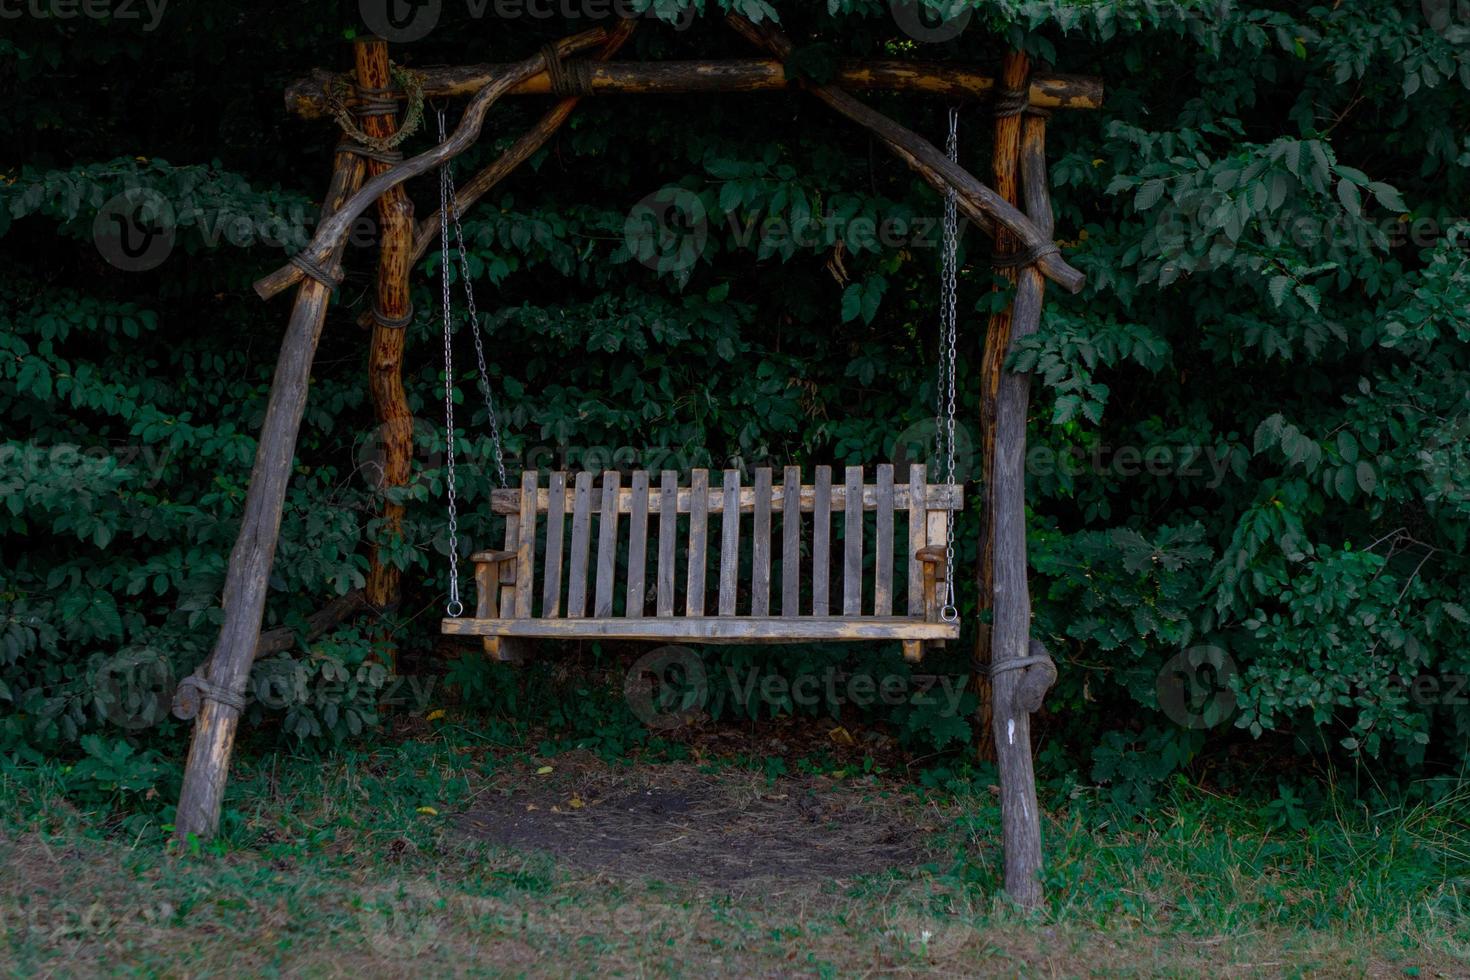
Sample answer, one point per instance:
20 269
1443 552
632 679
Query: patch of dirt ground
726 830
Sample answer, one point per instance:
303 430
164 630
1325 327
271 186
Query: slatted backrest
596 536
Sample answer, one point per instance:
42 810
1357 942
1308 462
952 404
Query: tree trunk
247 582
1018 692
1004 161
394 442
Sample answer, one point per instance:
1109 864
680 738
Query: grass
355 866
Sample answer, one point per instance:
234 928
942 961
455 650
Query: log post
1004 162
1021 671
308 98
219 686
391 315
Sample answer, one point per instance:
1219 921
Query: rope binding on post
569 79
377 102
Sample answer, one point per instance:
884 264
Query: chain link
453 212
455 609
944 420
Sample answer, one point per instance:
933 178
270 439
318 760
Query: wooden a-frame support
1021 671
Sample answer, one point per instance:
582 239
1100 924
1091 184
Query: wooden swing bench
623 606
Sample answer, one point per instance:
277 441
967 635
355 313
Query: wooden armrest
933 554
493 557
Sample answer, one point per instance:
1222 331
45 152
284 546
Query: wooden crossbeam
307 97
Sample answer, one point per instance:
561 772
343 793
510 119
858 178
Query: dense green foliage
1249 432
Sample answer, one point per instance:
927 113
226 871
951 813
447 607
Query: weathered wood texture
735 509
307 97
332 233
247 581
711 629
1018 692
981 204
1005 171
385 350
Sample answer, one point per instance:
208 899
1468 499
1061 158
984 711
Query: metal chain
455 608
474 318
948 358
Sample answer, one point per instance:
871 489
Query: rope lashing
1020 663
212 692
1025 257
377 102
326 277
374 102
569 79
368 153
392 322
1012 102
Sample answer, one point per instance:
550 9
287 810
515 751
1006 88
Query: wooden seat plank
667 533
637 546
526 549
883 545
556 519
760 551
698 540
918 537
791 542
607 544
730 544
711 629
822 541
852 547
581 544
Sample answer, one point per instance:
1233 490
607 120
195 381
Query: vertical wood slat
526 549
607 544
668 529
822 541
883 547
637 545
938 533
507 603
852 544
791 541
698 524
556 514
581 541
760 554
730 544
918 486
